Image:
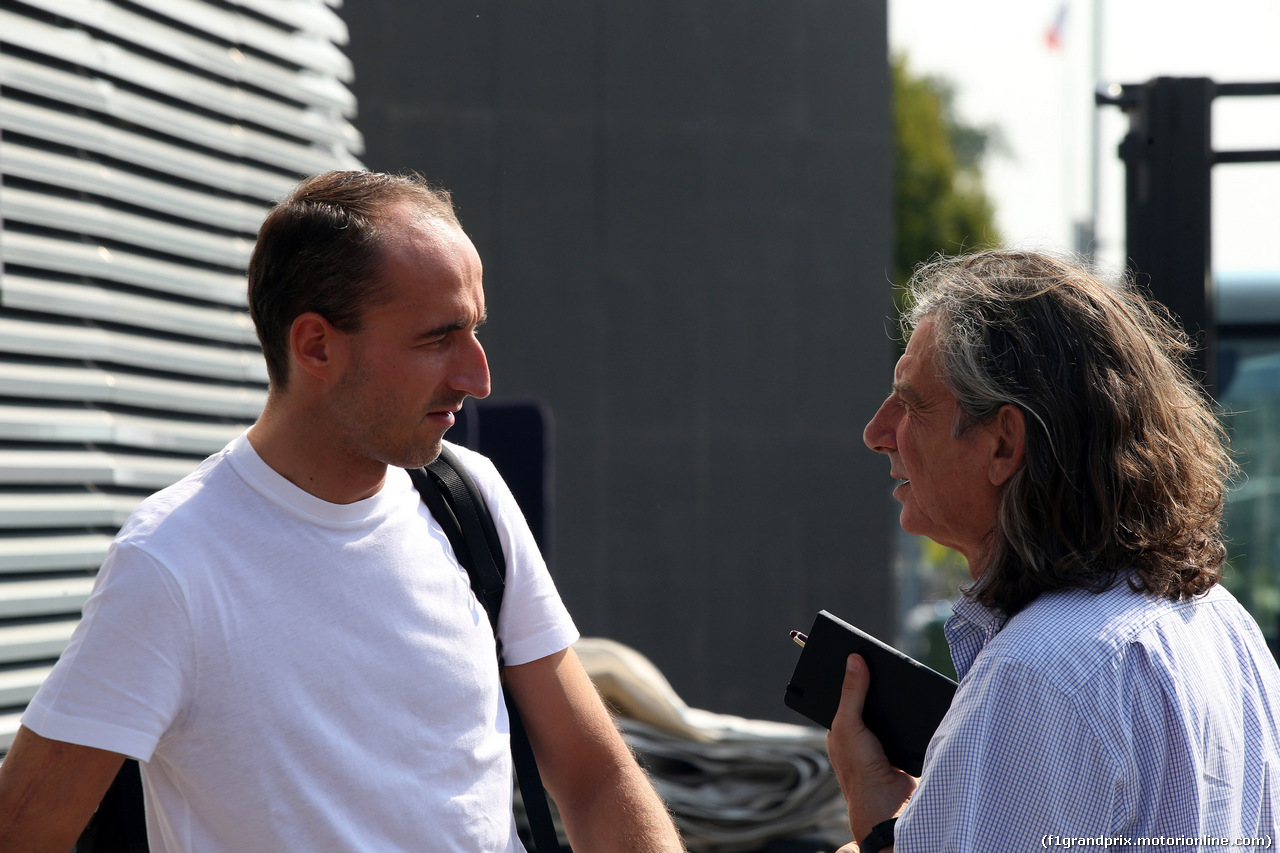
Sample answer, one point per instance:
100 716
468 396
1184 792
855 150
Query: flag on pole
1053 35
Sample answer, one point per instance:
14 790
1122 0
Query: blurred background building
683 211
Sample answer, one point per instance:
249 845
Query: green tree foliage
939 202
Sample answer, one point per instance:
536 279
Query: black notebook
906 700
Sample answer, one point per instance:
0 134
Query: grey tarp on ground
733 784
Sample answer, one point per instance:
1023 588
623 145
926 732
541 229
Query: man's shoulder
184 501
1074 612
1113 617
486 476
477 464
1071 637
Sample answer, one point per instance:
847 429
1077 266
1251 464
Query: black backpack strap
456 503
119 825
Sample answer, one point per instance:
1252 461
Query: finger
853 692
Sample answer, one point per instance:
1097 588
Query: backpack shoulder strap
451 494
456 503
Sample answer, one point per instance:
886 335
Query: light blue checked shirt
1115 718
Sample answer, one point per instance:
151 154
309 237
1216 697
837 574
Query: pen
799 639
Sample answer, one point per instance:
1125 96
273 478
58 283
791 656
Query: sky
1040 97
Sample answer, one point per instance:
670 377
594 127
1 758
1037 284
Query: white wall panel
97 220
38 641
231 60
66 340
17 686
104 97
101 303
79 256
69 172
30 510
113 385
140 145
93 468
90 134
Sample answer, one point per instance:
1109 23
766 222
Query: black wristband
880 837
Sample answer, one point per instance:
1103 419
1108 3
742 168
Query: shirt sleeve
120 683
1013 763
533 622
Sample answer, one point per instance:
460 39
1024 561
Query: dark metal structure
683 212
1169 157
1169 161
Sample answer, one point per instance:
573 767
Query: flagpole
1071 145
1090 235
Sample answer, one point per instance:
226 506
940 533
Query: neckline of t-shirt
271 484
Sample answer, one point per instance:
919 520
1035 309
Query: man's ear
1009 430
315 346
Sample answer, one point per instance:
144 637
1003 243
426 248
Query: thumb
853 692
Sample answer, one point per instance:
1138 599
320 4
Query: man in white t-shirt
284 638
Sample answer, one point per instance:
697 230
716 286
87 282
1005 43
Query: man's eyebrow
902 389
456 325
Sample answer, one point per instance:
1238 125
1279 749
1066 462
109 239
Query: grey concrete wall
683 210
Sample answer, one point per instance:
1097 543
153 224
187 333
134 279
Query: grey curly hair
1126 464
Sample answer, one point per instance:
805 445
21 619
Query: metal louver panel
99 303
97 220
68 171
142 153
69 45
17 686
141 142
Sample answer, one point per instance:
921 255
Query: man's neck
306 458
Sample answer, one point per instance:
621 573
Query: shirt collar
970 628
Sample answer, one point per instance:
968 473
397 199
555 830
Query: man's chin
419 457
432 453
910 523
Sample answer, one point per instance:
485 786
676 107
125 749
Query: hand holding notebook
905 702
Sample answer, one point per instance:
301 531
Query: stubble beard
371 433
420 457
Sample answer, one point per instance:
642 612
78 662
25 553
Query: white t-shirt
300 675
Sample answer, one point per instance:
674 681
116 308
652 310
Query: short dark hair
1126 464
319 250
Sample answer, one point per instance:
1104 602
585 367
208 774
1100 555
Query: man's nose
471 374
879 434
